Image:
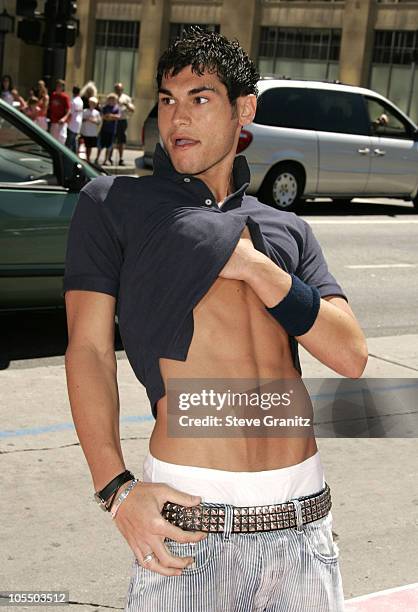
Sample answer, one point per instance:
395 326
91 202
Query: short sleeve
313 268
94 253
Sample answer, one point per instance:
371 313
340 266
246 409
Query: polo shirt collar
164 168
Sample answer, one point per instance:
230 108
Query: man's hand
244 255
140 522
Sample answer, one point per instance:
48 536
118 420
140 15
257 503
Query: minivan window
286 107
22 159
339 111
385 121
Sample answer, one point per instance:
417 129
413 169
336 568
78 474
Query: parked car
317 139
39 184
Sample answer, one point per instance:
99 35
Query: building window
394 71
177 30
116 51
310 53
394 47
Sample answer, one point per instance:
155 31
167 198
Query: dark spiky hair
214 53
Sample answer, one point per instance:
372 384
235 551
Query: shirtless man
239 330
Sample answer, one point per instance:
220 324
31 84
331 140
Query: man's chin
184 166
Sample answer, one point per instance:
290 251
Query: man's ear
247 108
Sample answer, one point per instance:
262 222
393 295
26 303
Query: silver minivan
317 139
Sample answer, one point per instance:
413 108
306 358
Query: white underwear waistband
239 488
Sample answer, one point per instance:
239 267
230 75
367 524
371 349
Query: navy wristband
297 312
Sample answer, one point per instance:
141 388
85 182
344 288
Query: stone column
153 39
241 20
80 58
357 41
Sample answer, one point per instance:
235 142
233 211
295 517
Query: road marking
389 600
358 222
397 265
34 431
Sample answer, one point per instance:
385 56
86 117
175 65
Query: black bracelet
297 312
113 486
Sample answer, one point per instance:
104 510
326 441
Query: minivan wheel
283 188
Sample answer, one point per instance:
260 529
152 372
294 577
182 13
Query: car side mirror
78 178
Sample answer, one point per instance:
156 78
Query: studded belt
211 517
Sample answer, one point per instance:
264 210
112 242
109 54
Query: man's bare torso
234 337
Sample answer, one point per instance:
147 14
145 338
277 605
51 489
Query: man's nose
181 115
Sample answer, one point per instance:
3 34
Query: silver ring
148 557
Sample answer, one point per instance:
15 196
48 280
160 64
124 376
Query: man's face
197 123
118 88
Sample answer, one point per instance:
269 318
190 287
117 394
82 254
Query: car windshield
21 158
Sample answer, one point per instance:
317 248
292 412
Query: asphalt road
375 259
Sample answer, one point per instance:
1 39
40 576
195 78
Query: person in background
18 101
90 126
6 89
43 104
89 90
32 109
59 111
110 116
126 110
75 121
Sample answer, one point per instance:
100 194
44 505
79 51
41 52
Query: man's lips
184 143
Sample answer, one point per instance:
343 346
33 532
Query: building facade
361 42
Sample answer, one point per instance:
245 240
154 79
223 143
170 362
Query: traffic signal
66 34
58 23
29 30
66 9
51 10
26 8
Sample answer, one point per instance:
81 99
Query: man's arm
332 334
335 337
90 364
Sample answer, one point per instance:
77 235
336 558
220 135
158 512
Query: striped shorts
287 570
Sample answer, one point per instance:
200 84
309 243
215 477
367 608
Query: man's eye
167 101
202 98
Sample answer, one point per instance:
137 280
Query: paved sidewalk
130 156
390 600
54 536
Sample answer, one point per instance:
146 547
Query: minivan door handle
364 151
379 152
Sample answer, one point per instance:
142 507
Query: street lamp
7 25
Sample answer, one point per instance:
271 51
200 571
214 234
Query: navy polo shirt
157 244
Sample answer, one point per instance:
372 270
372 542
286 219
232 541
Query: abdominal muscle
234 337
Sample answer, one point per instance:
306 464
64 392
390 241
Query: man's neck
231 189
